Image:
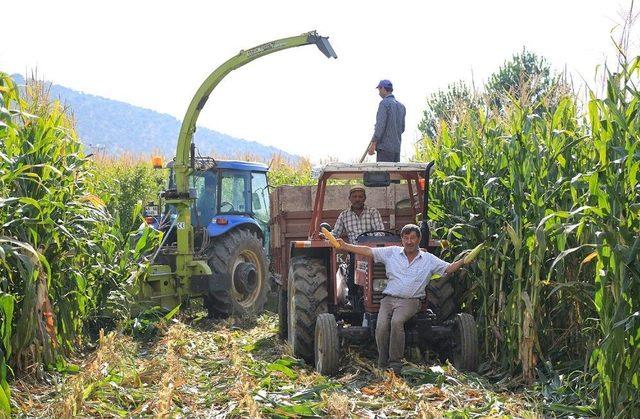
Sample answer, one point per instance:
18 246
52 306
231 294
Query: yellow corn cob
330 237
472 255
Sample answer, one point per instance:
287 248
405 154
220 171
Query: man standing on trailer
389 125
409 270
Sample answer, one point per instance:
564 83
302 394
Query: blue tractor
230 219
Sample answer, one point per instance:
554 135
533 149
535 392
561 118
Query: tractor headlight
379 284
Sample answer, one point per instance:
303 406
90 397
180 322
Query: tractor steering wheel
370 232
229 204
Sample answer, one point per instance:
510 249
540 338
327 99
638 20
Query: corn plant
555 197
615 126
61 255
125 182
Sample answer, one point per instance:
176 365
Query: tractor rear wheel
239 256
308 298
326 344
218 304
465 349
440 298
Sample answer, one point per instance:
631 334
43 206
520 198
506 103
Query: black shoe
396 368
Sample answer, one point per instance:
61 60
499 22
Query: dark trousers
385 155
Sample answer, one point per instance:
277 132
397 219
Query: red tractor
327 297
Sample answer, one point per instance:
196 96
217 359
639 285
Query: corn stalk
61 256
550 190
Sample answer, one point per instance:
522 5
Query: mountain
117 127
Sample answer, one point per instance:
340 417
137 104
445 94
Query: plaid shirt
352 224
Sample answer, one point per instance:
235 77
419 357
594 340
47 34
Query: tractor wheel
282 313
240 256
440 298
326 344
307 297
218 304
465 349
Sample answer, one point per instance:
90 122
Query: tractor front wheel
465 347
326 344
441 299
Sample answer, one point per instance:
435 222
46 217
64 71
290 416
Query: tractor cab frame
328 298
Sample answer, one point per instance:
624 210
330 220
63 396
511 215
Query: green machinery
183 273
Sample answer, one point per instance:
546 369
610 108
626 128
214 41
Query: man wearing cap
389 125
358 218
409 270
354 221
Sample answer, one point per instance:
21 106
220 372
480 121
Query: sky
155 54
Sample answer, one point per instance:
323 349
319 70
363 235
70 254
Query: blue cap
386 84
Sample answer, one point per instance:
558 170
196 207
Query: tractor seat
380 236
374 239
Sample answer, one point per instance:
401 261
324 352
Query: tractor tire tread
329 345
308 292
440 298
466 326
219 255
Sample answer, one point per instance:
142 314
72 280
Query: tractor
214 215
328 298
230 218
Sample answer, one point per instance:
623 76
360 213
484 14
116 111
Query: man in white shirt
409 270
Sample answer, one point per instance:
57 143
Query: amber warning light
157 162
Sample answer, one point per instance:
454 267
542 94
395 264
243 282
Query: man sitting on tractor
358 218
354 221
409 270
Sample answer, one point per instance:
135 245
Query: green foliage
146 325
282 172
557 195
61 253
126 182
525 79
615 127
446 105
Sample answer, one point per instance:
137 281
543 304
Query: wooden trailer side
291 214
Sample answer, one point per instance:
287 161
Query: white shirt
408 280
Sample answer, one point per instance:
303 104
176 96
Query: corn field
553 191
64 265
550 186
123 183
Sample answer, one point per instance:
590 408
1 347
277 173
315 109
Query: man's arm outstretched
359 250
